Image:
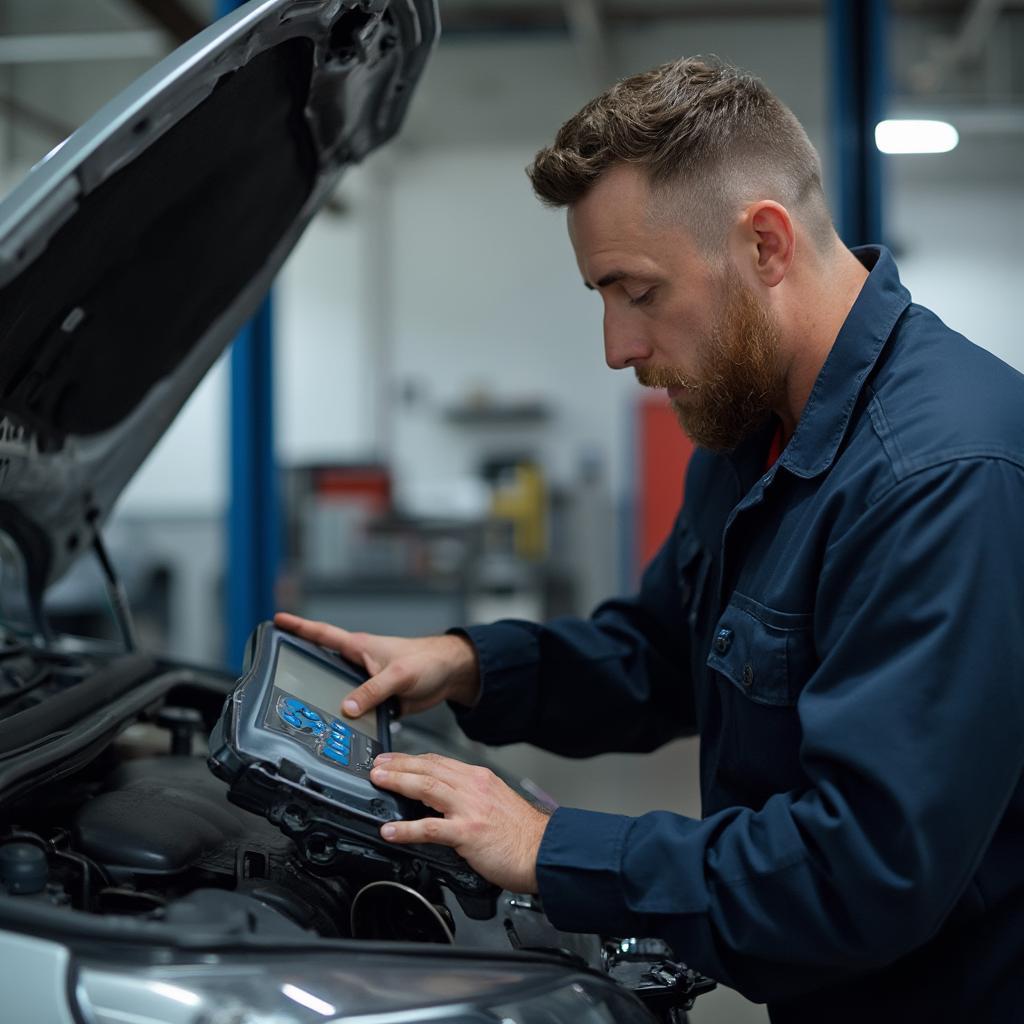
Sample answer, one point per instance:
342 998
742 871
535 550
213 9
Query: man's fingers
387 683
350 645
425 830
322 633
449 769
427 789
455 773
308 629
386 679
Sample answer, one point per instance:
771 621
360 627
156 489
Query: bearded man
842 623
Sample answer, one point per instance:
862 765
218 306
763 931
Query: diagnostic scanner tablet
289 755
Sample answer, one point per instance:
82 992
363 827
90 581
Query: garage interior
447 444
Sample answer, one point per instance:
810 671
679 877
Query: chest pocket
762 659
766 654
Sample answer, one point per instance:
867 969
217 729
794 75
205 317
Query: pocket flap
767 654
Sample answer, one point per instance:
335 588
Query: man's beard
739 380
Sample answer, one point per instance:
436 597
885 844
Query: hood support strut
116 594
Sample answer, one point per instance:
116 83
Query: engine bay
141 829
146 829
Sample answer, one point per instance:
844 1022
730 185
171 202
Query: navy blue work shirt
846 633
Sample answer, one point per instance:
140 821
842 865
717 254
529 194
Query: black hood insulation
200 211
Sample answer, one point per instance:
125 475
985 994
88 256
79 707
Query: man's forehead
612 232
617 202
621 207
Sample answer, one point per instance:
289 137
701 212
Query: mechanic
843 624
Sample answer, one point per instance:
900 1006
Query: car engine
145 827
140 828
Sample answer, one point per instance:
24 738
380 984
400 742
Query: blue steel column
857 56
253 515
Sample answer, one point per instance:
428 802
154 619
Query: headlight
366 988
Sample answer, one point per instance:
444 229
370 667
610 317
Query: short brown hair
696 123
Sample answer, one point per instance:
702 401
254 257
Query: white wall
961 257
323 364
186 474
488 300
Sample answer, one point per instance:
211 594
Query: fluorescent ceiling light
915 136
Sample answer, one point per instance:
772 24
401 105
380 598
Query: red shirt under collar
775 450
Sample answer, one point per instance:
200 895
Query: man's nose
623 346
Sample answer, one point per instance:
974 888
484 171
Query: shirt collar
826 416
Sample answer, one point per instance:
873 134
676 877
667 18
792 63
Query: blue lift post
253 519
858 59
253 515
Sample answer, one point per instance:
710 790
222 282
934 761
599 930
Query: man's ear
767 239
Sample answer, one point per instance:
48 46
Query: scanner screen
312 681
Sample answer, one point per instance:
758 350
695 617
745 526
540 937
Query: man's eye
642 300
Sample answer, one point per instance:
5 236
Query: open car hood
132 254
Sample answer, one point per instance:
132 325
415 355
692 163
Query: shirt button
723 641
748 675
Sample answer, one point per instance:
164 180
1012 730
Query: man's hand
421 671
494 829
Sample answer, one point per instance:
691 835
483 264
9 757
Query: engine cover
165 815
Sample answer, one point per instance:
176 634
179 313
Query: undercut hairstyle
710 138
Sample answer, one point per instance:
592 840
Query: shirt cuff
579 873
507 654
